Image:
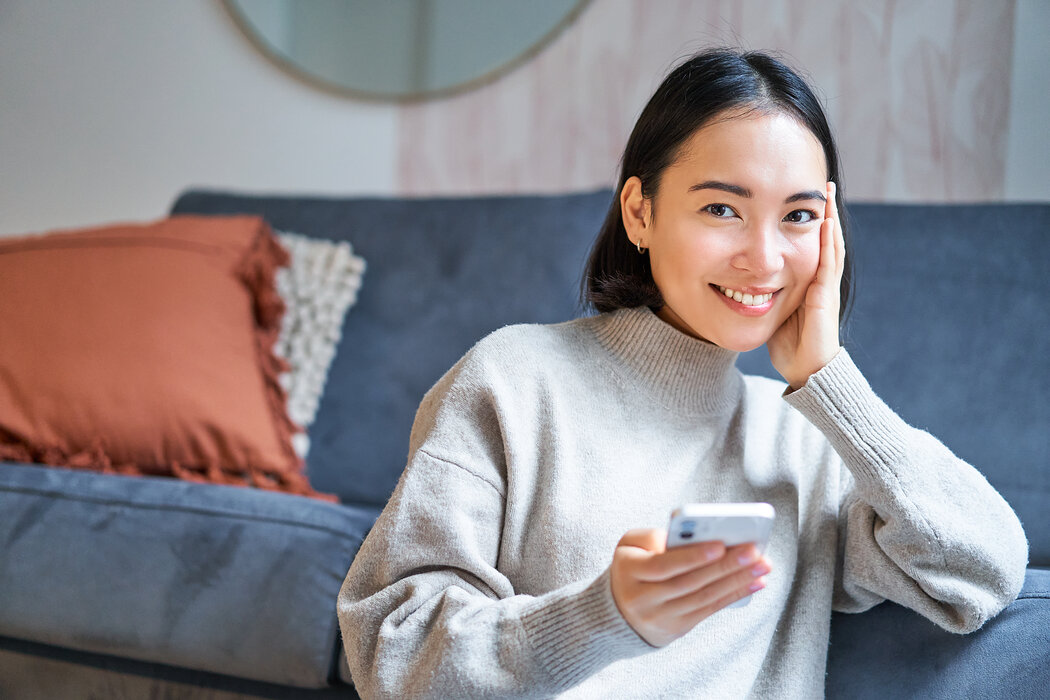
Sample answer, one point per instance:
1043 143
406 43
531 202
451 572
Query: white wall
109 108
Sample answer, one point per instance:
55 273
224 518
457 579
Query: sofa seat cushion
223 579
1007 658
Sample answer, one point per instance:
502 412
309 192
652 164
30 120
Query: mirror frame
246 29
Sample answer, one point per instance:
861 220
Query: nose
759 253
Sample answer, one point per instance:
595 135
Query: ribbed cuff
864 431
577 634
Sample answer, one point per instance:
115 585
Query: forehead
772 147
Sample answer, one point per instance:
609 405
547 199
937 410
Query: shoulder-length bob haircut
693 94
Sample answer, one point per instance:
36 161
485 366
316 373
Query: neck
667 315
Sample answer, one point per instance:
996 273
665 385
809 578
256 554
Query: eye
801 216
722 211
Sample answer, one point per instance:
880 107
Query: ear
635 211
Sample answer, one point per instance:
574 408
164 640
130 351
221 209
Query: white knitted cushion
318 288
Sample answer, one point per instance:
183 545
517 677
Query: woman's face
734 231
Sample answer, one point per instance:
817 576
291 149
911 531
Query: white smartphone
729 523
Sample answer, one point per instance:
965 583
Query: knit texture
487 575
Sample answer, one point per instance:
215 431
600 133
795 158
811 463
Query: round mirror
401 49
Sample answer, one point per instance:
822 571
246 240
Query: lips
745 298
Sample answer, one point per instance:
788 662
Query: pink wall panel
917 93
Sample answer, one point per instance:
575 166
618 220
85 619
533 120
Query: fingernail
747 557
757 585
712 553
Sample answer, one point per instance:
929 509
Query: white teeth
746 299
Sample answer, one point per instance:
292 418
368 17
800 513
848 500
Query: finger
690 620
736 560
827 263
651 561
831 207
678 561
840 249
832 212
825 278
717 594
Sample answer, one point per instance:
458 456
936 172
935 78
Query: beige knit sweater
487 573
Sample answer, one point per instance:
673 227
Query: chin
738 335
742 343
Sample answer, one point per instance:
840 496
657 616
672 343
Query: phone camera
687 530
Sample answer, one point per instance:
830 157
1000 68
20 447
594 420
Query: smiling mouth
744 298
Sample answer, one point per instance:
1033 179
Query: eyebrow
744 192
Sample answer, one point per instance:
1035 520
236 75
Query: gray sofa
119 587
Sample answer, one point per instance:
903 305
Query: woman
521 553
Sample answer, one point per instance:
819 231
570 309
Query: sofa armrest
222 579
890 651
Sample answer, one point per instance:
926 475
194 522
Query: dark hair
694 93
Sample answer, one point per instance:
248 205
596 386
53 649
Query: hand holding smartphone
663 589
730 523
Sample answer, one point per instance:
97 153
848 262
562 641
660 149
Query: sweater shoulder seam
460 467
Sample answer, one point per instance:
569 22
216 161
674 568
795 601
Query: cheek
682 255
805 258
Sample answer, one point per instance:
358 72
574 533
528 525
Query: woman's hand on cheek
809 338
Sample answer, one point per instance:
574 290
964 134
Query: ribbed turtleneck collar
681 372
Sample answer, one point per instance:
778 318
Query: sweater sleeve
918 525
424 610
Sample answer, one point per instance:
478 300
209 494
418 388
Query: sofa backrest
949 322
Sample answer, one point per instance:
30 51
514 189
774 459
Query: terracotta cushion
147 349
